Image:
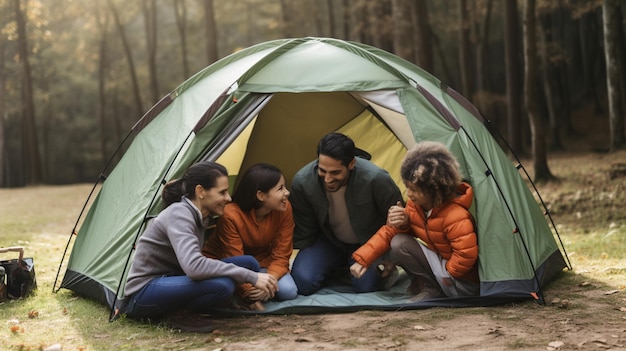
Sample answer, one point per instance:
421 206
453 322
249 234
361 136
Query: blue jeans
314 263
166 294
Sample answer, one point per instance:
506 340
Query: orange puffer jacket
449 231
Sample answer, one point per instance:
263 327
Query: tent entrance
286 130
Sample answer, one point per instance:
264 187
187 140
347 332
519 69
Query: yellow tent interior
287 130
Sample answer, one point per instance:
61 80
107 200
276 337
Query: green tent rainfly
272 102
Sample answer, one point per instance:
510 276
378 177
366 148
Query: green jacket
369 194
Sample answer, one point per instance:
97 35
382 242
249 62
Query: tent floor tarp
337 298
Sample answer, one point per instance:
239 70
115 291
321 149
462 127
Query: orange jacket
269 241
449 231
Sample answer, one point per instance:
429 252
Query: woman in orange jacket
259 222
433 238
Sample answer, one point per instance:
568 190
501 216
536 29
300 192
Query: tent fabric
272 102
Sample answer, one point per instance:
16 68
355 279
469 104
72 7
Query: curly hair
432 168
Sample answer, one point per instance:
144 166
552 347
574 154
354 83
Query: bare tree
611 16
513 82
402 29
102 23
550 78
423 38
286 11
589 52
31 160
180 13
465 61
539 152
482 66
150 22
210 31
330 5
4 161
129 56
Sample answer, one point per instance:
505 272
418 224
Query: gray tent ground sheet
336 297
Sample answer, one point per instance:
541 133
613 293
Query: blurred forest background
75 75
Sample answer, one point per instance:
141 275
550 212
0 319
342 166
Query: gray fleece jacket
171 245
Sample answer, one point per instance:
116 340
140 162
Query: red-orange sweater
449 231
269 241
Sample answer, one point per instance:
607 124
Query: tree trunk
402 29
129 57
550 79
4 161
589 48
539 152
513 82
423 39
482 65
210 31
30 147
611 17
331 18
345 13
285 9
465 61
180 13
150 21
102 21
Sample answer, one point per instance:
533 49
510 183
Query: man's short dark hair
337 146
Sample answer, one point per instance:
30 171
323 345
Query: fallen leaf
299 330
623 309
55 347
418 327
556 344
555 301
33 314
611 292
584 284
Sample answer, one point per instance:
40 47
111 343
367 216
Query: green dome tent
272 102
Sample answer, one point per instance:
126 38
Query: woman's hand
357 270
258 295
396 217
267 284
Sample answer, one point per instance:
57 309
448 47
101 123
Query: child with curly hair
433 238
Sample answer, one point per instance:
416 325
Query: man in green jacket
339 201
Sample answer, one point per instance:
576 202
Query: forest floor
585 309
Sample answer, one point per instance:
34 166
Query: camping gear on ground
272 102
18 275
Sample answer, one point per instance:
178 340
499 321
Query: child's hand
396 217
357 270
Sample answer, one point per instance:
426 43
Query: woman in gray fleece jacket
169 272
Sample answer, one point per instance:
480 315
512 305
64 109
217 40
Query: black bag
19 275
